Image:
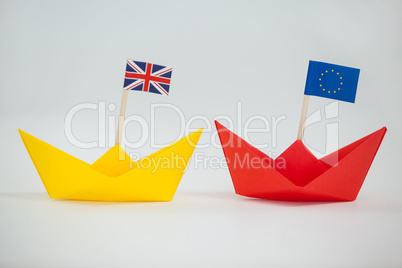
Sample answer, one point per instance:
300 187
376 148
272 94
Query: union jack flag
147 77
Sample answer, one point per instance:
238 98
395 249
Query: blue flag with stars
331 81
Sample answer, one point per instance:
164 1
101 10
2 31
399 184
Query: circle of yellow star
329 91
323 89
326 71
337 73
320 85
334 91
332 70
322 74
341 83
339 88
319 79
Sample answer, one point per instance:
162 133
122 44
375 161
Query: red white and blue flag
147 77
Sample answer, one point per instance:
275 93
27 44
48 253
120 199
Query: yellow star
322 74
320 85
340 77
337 73
341 83
319 79
326 71
339 88
323 89
329 91
334 91
332 70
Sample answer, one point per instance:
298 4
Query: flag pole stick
122 116
303 117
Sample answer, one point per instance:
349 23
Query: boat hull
296 175
114 176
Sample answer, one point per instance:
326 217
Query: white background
57 54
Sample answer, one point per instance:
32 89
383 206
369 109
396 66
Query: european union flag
331 81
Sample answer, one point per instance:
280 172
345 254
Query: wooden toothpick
122 116
303 117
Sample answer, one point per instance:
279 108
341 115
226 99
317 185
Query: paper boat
153 178
297 175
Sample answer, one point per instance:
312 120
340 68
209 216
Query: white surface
216 229
55 55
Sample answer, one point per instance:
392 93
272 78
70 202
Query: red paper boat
297 175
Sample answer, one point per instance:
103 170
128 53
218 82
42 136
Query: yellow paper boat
153 178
